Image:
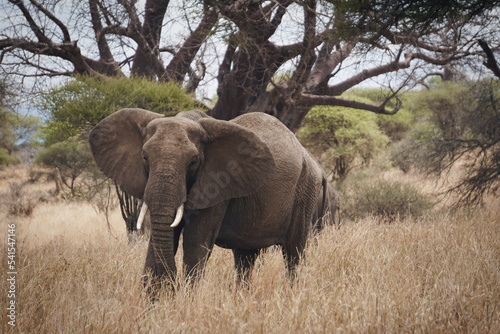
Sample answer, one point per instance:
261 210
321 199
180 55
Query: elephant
244 184
327 205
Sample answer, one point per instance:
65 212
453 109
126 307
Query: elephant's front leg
199 235
244 260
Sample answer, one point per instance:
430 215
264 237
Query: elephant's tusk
142 214
178 216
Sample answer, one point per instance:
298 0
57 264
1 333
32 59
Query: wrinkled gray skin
246 184
326 206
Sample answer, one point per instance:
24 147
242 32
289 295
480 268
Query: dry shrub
37 173
19 204
11 173
385 199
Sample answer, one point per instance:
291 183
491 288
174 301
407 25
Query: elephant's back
262 123
280 140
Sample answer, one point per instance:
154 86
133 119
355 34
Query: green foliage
79 104
410 151
395 126
384 199
406 16
7 134
445 103
15 128
71 158
342 137
6 159
460 125
370 95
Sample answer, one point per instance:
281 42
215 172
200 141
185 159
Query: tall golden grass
438 274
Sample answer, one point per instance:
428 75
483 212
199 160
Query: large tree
281 57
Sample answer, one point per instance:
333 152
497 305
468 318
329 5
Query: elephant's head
195 162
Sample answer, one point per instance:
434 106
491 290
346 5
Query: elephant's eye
193 164
145 162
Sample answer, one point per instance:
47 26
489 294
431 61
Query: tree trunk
129 208
179 66
151 30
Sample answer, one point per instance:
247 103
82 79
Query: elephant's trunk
164 196
162 238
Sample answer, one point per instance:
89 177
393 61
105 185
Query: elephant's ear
116 143
237 163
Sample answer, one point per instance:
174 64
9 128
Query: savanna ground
439 273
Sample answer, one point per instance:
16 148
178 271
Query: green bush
79 104
457 125
463 131
71 158
448 102
411 150
16 129
394 126
6 159
342 137
387 200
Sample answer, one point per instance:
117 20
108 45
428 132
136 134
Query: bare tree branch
34 27
323 100
183 58
370 73
102 43
490 62
64 29
326 64
144 62
147 52
307 59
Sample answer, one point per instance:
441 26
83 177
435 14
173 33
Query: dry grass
441 274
